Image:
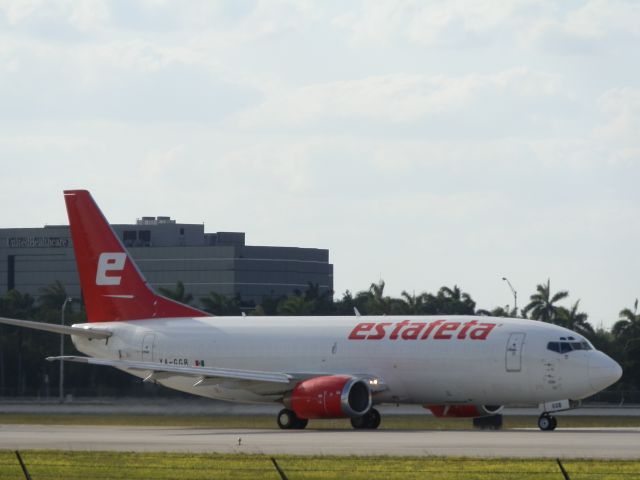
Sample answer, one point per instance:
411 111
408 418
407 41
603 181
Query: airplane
319 367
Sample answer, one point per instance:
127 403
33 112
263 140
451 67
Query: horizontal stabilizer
63 329
201 372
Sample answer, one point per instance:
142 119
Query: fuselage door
148 344
514 352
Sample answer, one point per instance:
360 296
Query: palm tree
53 296
412 304
629 324
453 301
322 301
178 294
626 332
574 320
219 304
296 305
18 305
542 305
377 303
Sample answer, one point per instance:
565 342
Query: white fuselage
511 365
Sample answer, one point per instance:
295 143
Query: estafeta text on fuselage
417 330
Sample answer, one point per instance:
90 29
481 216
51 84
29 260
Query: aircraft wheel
547 423
373 419
301 423
370 420
358 422
288 420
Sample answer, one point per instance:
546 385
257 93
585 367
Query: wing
199 373
63 329
259 383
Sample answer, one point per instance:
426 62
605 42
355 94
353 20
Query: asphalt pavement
563 443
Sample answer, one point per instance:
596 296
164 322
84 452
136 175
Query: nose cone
603 371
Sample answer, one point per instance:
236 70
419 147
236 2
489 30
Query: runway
563 443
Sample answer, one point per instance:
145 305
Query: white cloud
622 109
35 143
600 18
89 14
395 98
438 23
595 25
556 27
17 11
44 14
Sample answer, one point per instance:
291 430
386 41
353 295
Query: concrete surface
563 443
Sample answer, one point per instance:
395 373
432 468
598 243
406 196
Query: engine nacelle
334 396
462 411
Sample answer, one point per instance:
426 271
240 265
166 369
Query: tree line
22 352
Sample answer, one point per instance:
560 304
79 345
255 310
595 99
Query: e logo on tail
110 262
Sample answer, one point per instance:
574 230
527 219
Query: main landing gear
288 420
370 420
547 422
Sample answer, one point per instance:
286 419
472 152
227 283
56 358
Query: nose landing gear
547 422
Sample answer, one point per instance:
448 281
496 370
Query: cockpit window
554 346
564 347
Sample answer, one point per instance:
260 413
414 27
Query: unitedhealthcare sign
37 242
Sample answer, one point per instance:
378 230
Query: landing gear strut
547 422
288 420
370 420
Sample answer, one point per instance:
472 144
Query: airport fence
108 466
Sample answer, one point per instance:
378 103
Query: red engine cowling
334 396
464 410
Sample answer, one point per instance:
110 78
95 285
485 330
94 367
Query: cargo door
148 346
514 352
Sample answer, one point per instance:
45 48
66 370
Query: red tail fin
113 287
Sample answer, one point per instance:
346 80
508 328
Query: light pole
515 295
61 384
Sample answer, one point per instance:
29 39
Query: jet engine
464 410
332 396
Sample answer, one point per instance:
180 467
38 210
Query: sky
425 143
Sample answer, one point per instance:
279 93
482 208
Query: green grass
389 422
162 466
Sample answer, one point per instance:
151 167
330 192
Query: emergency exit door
514 352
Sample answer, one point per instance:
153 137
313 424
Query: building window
129 237
145 237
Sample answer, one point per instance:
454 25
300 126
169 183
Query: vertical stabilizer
113 287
